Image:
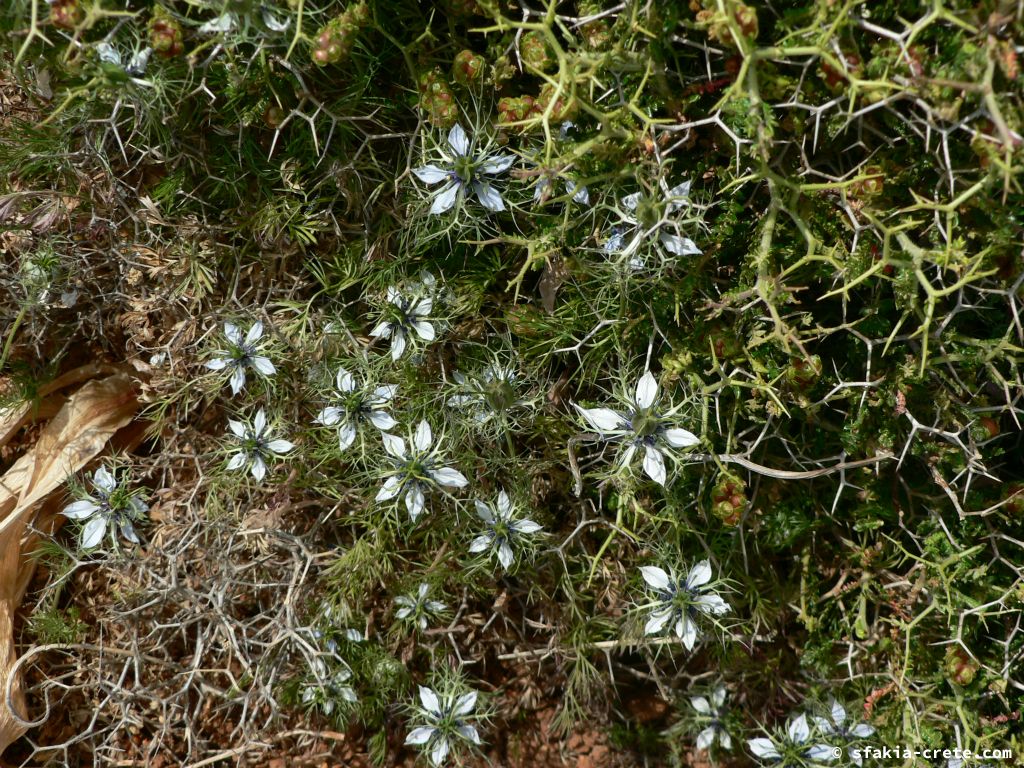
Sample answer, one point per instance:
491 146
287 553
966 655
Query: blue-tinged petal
431 174
488 196
497 164
445 199
458 140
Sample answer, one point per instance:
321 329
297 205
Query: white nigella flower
112 63
257 445
679 602
641 426
544 190
242 353
416 471
355 406
490 394
711 713
445 718
792 748
651 218
327 690
464 169
406 316
503 529
419 608
837 729
231 21
109 504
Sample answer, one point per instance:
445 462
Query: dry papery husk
82 427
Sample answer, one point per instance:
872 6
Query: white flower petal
232 334
465 704
655 577
79 510
680 246
654 464
505 555
382 420
700 574
712 604
431 174
217 364
445 199
602 419
429 701
423 437
488 196
259 423
469 733
280 446
458 140
382 330
414 501
480 544
646 390
525 526
764 748
424 330
128 531
223 23
656 623
821 753
798 729
93 532
862 730
259 468
237 461
237 428
264 366
838 712
680 438
397 345
497 164
329 416
439 752
255 333
419 736
393 444
705 738
718 697
346 436
504 505
390 489
629 202
449 477
701 705
689 632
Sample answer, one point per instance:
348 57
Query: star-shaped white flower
257 445
107 505
651 219
837 729
678 603
419 608
465 172
504 529
445 718
242 353
416 471
406 316
641 426
795 741
712 713
355 406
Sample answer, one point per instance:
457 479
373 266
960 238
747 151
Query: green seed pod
437 100
729 499
165 35
467 67
334 40
959 667
67 14
534 52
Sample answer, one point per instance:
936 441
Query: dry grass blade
76 435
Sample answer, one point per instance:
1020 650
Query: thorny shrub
570 354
